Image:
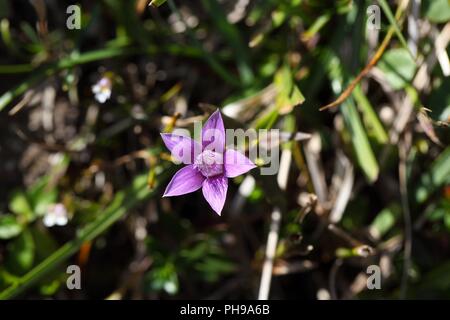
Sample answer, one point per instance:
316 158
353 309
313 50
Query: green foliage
9 227
21 254
398 67
157 3
434 177
271 64
437 10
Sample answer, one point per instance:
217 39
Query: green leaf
289 95
387 11
437 11
20 256
266 120
435 177
364 153
278 17
361 146
157 3
122 203
20 205
385 220
164 278
370 118
45 244
9 227
42 202
50 288
398 67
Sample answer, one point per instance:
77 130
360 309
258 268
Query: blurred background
86 88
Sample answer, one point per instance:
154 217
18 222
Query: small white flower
56 215
102 89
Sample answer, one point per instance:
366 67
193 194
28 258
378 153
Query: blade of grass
231 34
370 118
435 177
393 21
364 153
361 146
157 3
121 204
373 61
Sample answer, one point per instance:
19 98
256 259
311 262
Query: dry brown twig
377 56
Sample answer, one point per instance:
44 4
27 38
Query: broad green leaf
9 227
289 95
387 11
42 202
437 11
122 203
20 205
398 67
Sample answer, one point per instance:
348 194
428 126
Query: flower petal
183 149
186 180
213 133
215 192
236 163
61 220
49 220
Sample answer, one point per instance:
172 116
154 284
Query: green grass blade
390 16
231 34
435 177
122 203
370 118
361 146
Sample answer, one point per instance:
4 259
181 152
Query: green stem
15 68
122 203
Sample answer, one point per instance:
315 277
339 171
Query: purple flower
208 164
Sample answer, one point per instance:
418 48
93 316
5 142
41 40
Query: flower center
209 163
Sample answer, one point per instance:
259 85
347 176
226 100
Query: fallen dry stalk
377 56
